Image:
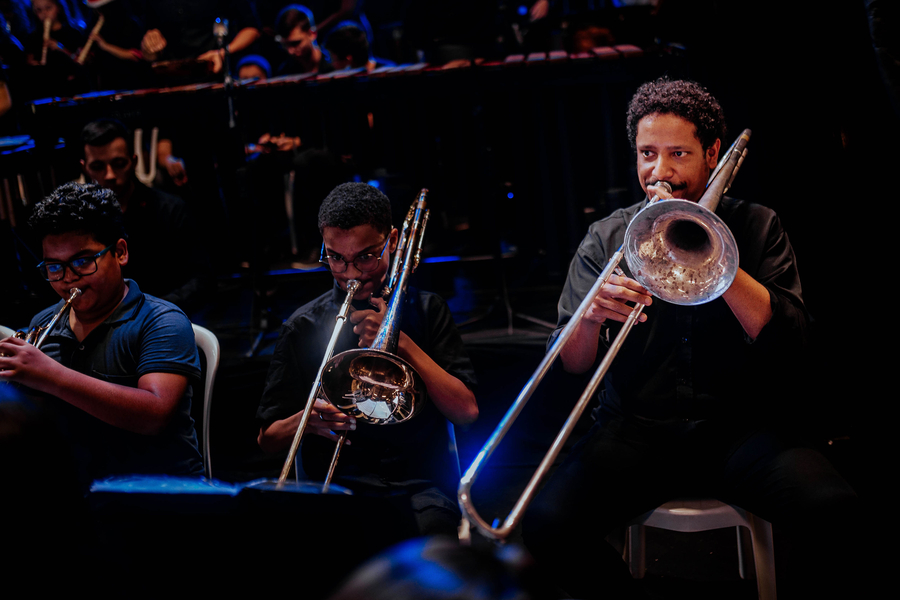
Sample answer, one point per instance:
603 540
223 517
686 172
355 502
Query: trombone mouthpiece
660 184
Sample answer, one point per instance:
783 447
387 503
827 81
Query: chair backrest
5 332
208 344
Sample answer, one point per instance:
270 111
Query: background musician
117 368
697 400
161 229
58 74
114 56
295 28
410 457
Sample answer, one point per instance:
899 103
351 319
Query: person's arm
130 55
173 165
324 420
615 300
450 395
288 384
244 38
146 409
344 12
749 301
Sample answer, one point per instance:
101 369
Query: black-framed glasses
363 263
86 265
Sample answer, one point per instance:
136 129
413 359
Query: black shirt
413 450
694 362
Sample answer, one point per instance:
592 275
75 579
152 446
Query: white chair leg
742 556
763 556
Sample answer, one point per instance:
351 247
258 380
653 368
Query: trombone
372 384
658 236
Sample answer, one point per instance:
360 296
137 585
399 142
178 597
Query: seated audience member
167 260
348 48
117 368
295 28
410 457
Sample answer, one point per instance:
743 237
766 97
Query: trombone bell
681 252
373 385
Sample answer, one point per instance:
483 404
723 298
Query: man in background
166 257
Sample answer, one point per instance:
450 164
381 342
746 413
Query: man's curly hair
79 208
685 99
352 204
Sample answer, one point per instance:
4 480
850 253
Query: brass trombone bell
374 386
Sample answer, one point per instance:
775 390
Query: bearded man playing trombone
689 405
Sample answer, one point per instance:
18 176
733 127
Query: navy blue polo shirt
143 335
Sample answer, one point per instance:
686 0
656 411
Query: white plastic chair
208 344
690 515
5 332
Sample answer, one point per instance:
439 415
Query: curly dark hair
685 99
352 204
80 208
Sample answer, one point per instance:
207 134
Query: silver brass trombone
374 384
665 227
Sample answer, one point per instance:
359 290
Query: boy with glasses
116 368
412 457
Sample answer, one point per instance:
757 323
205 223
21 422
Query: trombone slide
340 319
468 479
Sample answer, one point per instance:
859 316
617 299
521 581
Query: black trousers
626 467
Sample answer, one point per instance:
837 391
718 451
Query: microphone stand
220 30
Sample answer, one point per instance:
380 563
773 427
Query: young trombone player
116 366
691 405
410 457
